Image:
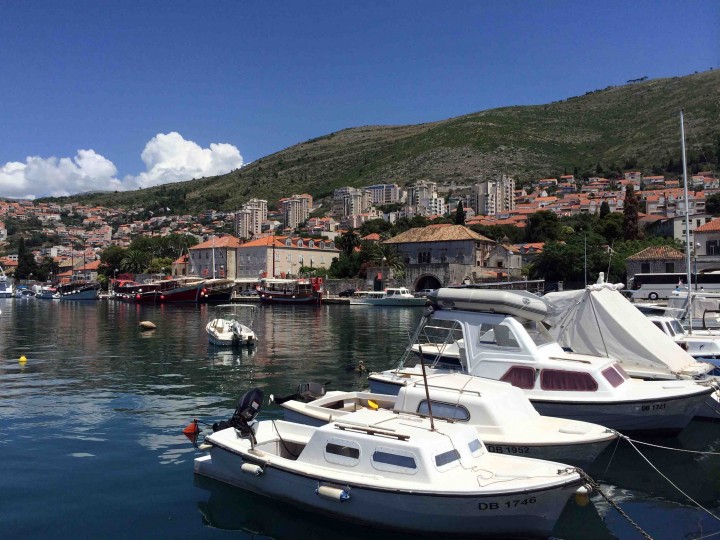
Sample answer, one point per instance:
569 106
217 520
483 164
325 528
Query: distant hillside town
302 233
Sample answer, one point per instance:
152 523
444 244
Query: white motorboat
46 292
518 349
383 469
504 418
702 345
6 288
391 296
226 329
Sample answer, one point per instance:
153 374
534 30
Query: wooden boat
291 291
79 290
504 418
217 291
499 346
180 290
383 469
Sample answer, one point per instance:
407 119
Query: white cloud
167 157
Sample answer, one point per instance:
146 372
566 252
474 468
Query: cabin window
342 452
621 371
475 446
659 326
446 411
446 458
497 335
394 460
613 377
552 379
520 376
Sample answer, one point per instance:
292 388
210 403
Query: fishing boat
225 329
391 296
79 290
499 335
6 288
217 290
389 470
291 291
503 416
179 290
46 292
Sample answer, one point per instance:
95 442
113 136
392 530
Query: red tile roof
710 226
657 253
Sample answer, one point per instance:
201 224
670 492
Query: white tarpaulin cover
600 321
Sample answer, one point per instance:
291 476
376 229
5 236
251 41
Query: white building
381 194
494 196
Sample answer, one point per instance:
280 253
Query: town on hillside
489 231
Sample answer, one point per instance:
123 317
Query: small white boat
702 345
394 471
46 292
391 296
504 418
226 329
520 351
6 288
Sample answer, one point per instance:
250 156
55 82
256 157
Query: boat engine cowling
305 392
247 409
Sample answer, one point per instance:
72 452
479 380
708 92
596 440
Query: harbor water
92 410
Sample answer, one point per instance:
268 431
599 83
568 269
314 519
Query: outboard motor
247 409
305 392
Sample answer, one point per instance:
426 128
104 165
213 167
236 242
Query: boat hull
403 302
273 297
530 513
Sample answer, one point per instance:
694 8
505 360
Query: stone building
661 259
440 255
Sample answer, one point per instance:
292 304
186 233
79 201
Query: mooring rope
612 503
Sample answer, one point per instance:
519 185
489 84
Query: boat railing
370 430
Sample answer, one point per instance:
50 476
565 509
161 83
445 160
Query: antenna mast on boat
687 210
427 390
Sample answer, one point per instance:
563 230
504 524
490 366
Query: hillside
632 126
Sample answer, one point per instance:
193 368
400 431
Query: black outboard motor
305 392
247 409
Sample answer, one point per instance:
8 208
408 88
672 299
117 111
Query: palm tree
348 241
386 255
135 261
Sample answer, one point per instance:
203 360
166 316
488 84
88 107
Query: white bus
656 286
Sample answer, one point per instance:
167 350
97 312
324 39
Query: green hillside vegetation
604 132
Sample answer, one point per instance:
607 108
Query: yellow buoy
22 359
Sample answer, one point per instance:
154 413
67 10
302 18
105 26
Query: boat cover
600 321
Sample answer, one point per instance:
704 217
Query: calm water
91 442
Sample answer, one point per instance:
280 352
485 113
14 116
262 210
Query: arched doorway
427 281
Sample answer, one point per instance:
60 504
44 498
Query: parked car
347 292
424 293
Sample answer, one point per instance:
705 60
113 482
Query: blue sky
124 94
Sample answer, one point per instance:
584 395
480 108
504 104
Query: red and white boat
179 290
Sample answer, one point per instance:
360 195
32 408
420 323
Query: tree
26 262
542 226
111 259
712 204
348 241
460 214
135 261
604 209
631 211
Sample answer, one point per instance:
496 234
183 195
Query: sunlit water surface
91 425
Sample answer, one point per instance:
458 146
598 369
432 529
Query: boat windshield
537 332
675 327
